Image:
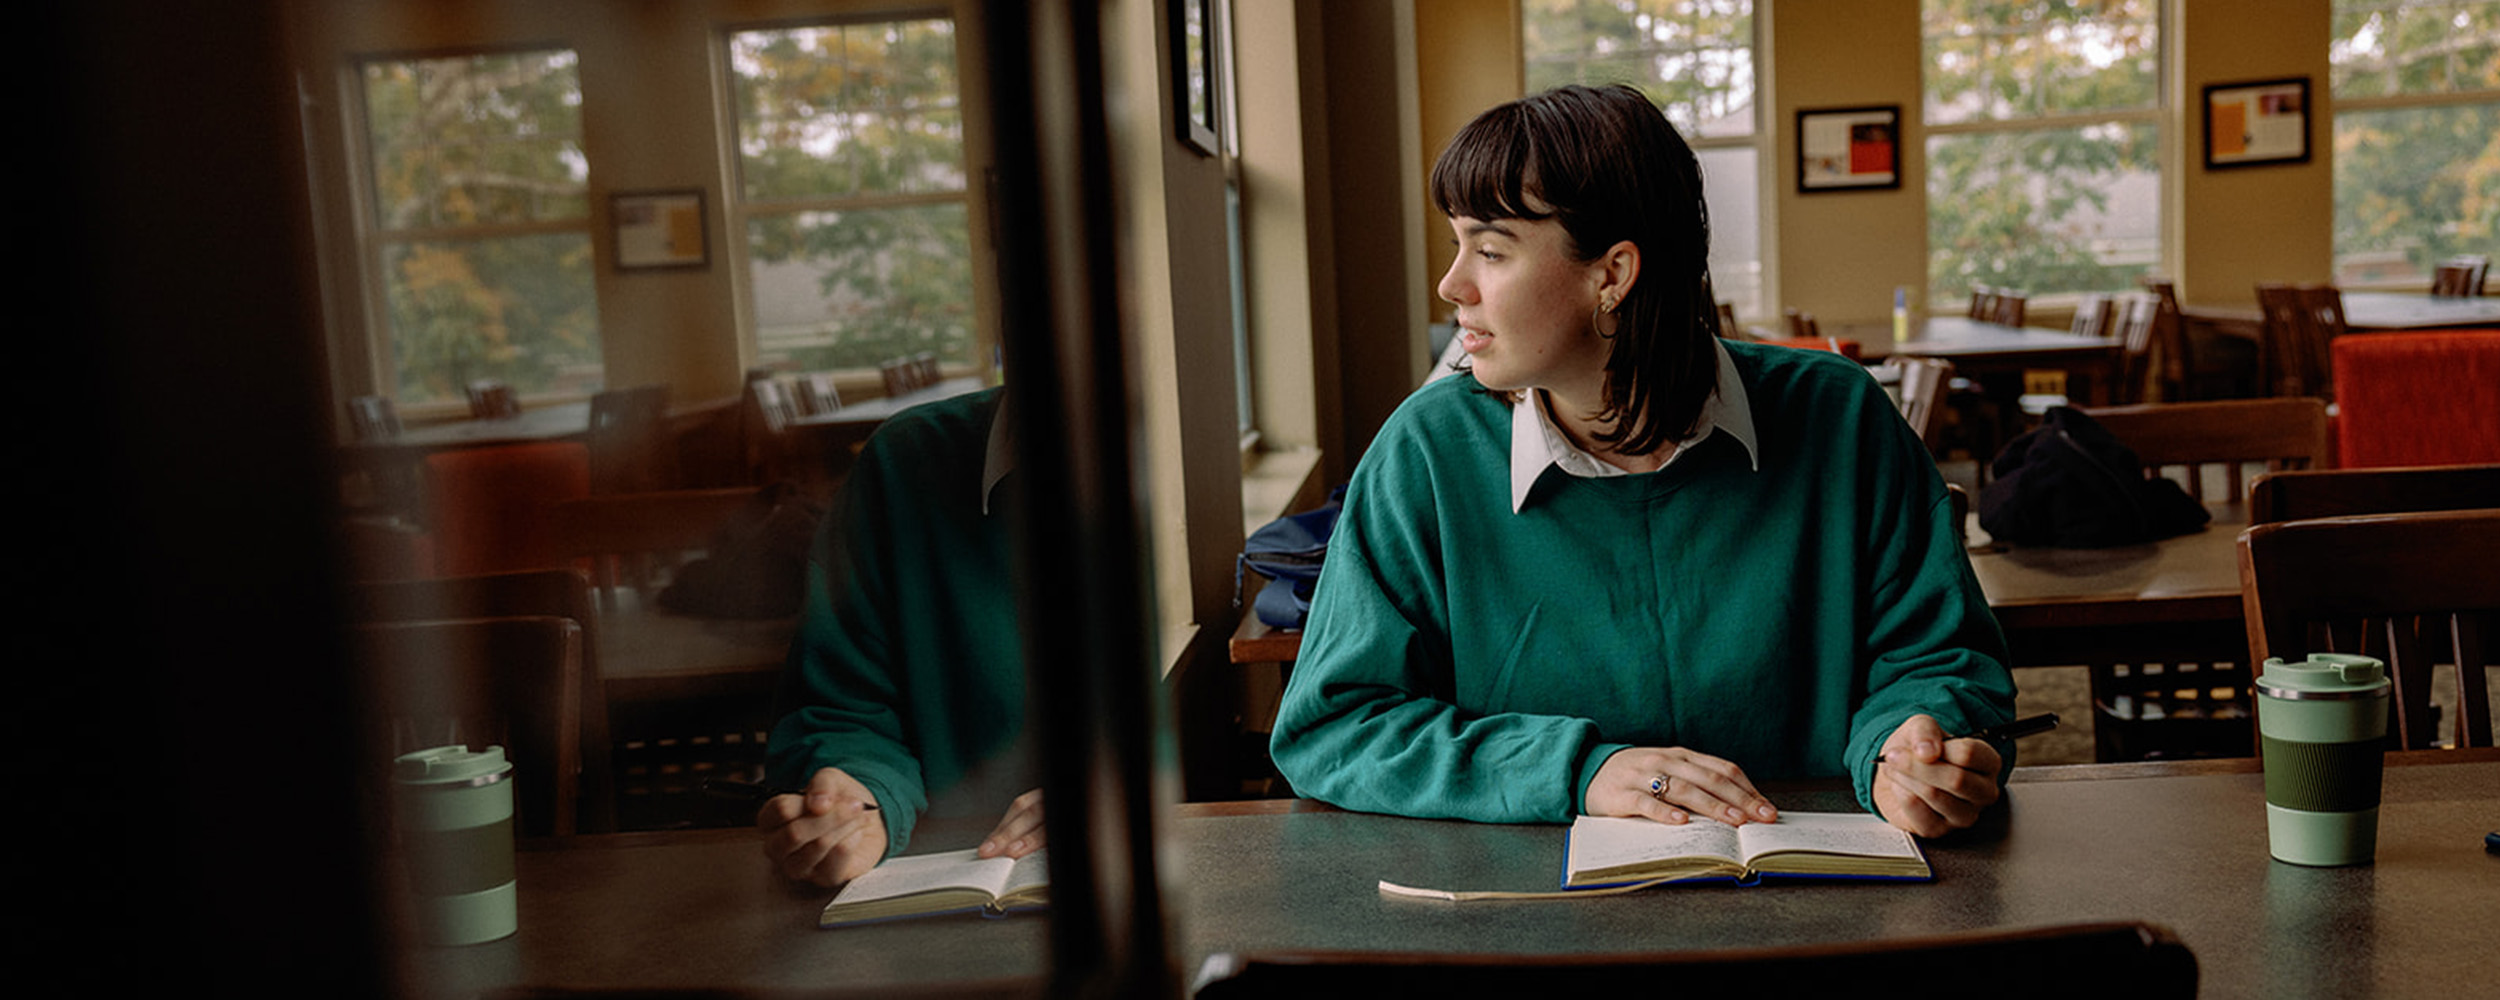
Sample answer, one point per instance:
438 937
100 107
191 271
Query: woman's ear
1617 269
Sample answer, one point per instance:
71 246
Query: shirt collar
1536 443
1000 456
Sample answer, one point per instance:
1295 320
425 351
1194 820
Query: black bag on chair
2070 484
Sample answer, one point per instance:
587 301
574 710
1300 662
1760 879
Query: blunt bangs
1489 170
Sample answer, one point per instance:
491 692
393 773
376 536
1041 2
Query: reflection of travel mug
455 827
2323 726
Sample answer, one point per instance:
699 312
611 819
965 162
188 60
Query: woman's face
1525 307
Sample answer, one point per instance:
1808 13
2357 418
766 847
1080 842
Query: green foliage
2028 207
2416 183
463 147
850 142
1694 58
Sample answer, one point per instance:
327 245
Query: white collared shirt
1536 443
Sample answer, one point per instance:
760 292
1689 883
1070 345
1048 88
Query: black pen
2040 723
732 788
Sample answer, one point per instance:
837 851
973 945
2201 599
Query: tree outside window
2044 134
1695 59
480 224
851 193
2417 136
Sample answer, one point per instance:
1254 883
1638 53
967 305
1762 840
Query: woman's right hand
1688 784
830 834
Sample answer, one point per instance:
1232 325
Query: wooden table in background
1978 348
2123 604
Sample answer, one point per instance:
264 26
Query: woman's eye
1488 255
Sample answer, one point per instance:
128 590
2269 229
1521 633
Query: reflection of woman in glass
1627 568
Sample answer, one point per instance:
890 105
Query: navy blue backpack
1287 551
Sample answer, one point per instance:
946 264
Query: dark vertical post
1083 588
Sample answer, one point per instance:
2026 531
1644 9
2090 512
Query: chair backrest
627 430
2462 274
2220 436
2314 493
2093 313
2009 307
373 418
1983 303
1727 322
2407 588
489 507
2300 321
896 374
2138 321
1922 382
1802 324
817 394
634 539
2427 398
552 593
924 366
2140 961
2171 347
509 682
491 399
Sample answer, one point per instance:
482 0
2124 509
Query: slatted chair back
1801 323
817 394
492 399
2461 275
2314 493
2211 443
2093 316
1983 303
2403 587
2137 322
1922 382
554 593
372 418
1728 327
509 682
2010 307
2292 346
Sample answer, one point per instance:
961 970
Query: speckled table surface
2111 842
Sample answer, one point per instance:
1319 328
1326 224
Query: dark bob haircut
1606 164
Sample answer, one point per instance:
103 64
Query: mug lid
451 765
2324 675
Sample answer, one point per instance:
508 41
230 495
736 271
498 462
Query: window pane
476 140
516 308
2384 48
841 110
1692 57
850 289
2414 186
1731 189
1999 60
2045 210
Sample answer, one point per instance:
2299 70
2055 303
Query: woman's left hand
1929 785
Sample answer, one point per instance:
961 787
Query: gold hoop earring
1603 307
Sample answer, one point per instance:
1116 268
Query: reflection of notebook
930 884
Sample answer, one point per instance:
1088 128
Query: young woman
1622 567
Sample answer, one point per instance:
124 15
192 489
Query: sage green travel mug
2322 724
454 808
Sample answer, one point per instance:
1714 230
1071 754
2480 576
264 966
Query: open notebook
1607 851
931 884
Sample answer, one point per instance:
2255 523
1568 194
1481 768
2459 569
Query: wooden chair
491 399
2194 702
555 593
765 421
1983 303
1802 324
635 539
2135 960
2009 309
372 418
1922 383
2137 325
489 508
2093 313
510 682
925 370
2392 586
2215 440
2314 493
627 428
2461 275
817 394
1728 327
2300 321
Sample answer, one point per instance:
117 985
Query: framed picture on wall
658 229
2254 124
1849 149
1195 85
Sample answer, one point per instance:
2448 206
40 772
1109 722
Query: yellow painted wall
2245 225
1467 60
1839 254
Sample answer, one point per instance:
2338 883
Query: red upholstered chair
491 508
2430 398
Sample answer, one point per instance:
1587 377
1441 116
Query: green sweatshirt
1463 660
906 671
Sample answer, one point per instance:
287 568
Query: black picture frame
659 230
2254 123
1849 149
1197 83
